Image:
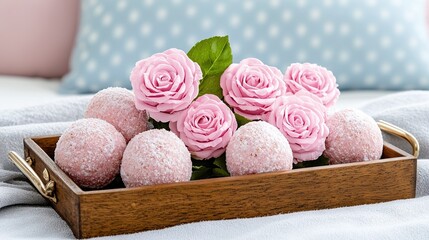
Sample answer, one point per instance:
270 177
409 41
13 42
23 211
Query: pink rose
165 84
314 79
250 87
302 120
205 127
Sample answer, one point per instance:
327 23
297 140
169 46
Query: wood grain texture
121 210
66 190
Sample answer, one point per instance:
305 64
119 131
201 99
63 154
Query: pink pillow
37 36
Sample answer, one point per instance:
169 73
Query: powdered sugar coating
154 157
353 137
117 107
90 152
258 147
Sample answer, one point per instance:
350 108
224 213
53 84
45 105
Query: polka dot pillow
368 44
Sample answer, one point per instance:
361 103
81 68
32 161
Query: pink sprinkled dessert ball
117 107
90 152
154 157
258 147
353 137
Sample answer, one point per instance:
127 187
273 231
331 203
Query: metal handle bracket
48 190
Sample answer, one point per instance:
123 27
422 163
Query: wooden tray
119 210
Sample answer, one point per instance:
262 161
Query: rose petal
301 118
250 87
165 83
206 127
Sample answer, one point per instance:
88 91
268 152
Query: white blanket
404 219
39 120
408 110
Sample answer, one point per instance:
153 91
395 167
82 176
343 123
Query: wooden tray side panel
120 211
391 151
68 199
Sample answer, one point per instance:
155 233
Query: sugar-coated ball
258 147
154 157
353 137
116 106
90 152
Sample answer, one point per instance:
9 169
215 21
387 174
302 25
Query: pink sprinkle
258 147
154 157
116 106
90 152
353 137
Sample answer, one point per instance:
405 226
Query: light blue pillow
367 44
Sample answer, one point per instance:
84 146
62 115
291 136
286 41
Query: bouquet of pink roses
203 98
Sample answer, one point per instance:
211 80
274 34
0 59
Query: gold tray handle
48 190
397 131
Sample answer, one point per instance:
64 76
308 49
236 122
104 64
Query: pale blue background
367 44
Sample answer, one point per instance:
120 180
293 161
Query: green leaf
241 120
218 172
220 161
205 163
321 161
200 172
210 85
160 125
214 56
211 168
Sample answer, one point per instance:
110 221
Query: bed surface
17 92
